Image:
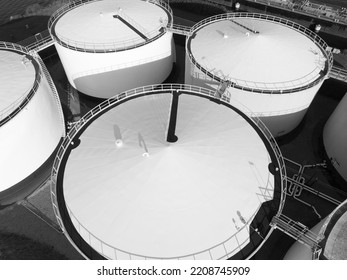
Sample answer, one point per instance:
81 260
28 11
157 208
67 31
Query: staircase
338 74
297 230
52 86
38 42
73 102
180 29
221 89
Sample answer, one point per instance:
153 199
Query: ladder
298 231
222 88
338 74
180 29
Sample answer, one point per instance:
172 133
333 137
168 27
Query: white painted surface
281 113
277 54
148 64
183 197
93 23
29 139
16 78
335 138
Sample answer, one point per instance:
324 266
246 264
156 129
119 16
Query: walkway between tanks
338 74
300 145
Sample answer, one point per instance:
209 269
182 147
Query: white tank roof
94 22
16 80
275 56
181 199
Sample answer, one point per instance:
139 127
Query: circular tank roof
16 80
110 23
257 53
154 198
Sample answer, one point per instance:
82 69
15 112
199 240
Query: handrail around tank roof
104 106
54 91
120 66
8 113
272 88
338 73
111 46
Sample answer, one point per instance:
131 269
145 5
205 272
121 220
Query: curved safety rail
338 73
320 73
120 66
53 89
106 47
38 41
108 251
18 105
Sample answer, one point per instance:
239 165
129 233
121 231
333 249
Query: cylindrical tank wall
281 113
30 138
335 138
104 75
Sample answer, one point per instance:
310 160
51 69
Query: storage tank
335 138
299 251
334 232
271 65
168 172
31 119
109 46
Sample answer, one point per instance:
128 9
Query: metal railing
261 114
297 231
40 70
330 13
53 89
180 29
262 87
13 46
37 42
119 66
50 221
104 106
338 74
111 46
116 252
310 80
314 191
18 105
